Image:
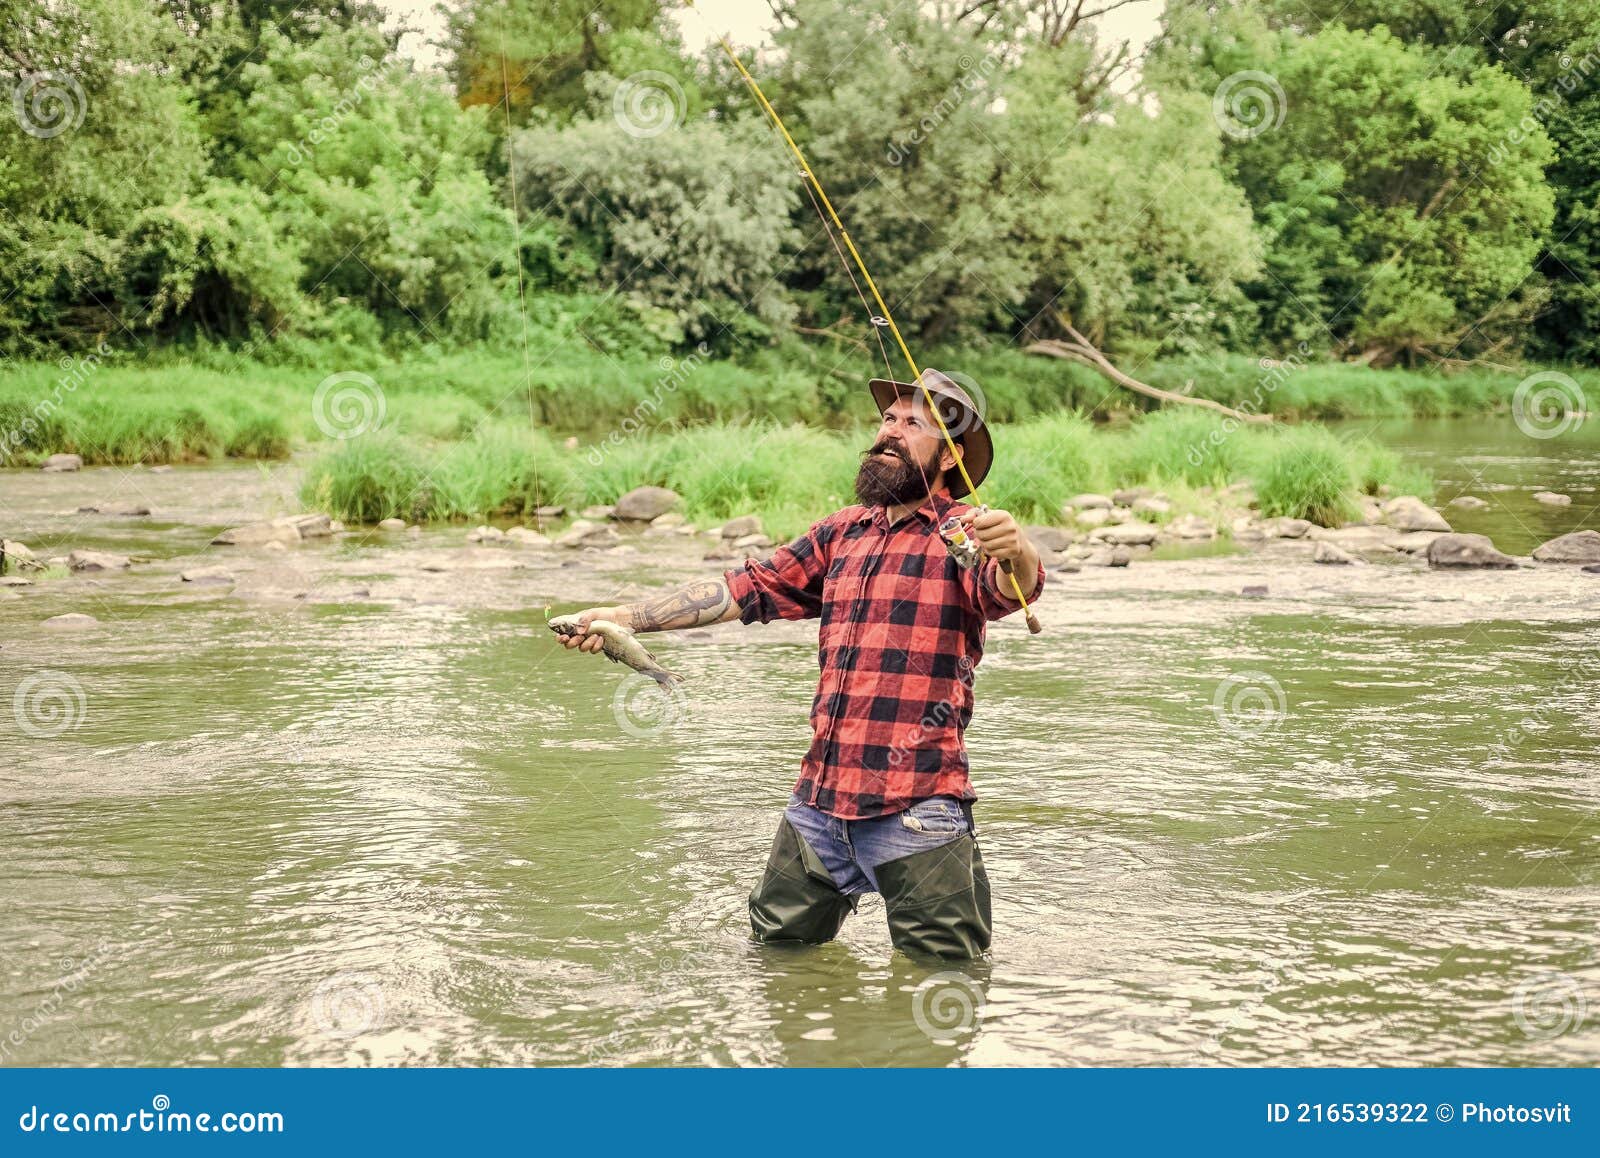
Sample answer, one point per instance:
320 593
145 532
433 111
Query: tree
687 224
1404 196
538 52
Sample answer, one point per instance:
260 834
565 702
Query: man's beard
888 482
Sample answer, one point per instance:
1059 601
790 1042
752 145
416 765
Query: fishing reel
963 547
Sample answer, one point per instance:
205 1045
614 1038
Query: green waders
937 899
796 899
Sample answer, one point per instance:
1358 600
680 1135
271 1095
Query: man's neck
901 510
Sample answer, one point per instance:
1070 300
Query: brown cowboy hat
962 417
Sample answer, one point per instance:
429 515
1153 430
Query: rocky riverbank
141 545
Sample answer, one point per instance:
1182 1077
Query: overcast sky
744 22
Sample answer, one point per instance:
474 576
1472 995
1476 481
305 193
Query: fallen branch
1080 350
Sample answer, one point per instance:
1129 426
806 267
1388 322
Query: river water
355 807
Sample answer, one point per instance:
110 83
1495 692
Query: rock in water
1578 547
72 619
206 575
1048 538
642 504
1552 498
740 527
1126 534
1408 513
62 462
589 536
1328 553
1468 503
1459 550
1254 590
391 524
1286 528
258 535
1089 502
15 555
312 526
1192 527
131 510
97 561
527 537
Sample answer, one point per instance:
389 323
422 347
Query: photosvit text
1405 1113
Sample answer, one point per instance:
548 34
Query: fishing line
883 308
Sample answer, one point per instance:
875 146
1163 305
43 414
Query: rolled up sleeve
995 598
789 584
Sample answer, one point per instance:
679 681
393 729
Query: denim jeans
852 850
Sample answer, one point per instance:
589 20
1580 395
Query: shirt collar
930 511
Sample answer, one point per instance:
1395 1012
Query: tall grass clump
1039 465
376 476
500 471
1307 473
1190 446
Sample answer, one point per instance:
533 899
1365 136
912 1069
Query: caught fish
620 646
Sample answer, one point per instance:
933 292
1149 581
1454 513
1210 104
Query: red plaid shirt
902 630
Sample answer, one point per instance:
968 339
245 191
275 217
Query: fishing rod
883 319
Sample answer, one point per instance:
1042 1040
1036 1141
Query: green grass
790 474
176 407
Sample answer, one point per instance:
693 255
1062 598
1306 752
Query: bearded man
884 802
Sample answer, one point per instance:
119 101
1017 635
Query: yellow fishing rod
883 307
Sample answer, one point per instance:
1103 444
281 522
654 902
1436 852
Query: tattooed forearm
697 604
